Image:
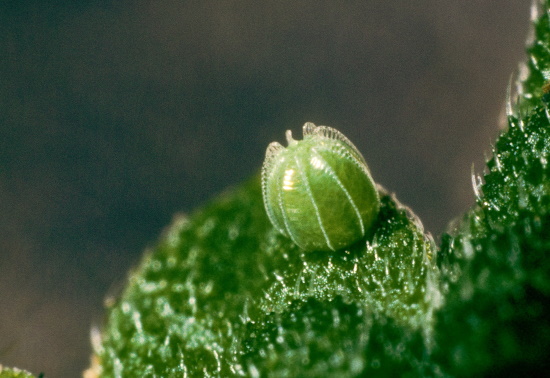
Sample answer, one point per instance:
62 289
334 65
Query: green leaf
224 294
209 297
495 263
535 73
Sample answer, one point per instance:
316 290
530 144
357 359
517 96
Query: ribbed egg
319 191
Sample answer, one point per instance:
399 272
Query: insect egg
319 191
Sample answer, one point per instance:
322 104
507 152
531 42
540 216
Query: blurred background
116 115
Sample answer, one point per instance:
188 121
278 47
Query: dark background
116 115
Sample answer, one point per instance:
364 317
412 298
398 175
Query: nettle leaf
225 293
495 262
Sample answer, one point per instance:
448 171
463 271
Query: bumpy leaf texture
223 294
496 263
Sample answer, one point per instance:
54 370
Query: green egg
319 191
